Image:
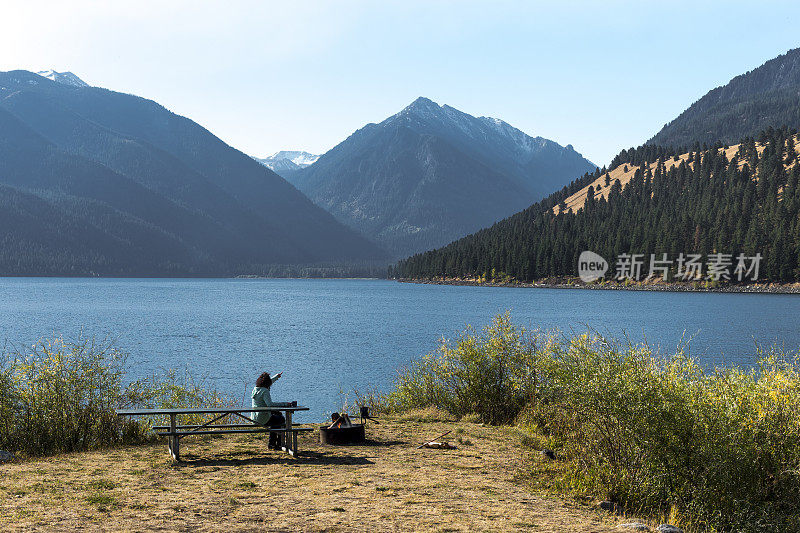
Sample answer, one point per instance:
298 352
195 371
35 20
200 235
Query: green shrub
664 436
173 389
716 449
61 396
490 373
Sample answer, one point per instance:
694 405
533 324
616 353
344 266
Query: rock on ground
550 454
608 506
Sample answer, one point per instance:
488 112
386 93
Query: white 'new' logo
591 266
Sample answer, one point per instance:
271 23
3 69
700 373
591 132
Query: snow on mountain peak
288 160
421 107
424 112
423 103
298 157
426 116
64 78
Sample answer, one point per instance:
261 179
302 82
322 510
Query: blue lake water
329 336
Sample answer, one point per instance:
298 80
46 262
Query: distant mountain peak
298 157
421 106
427 112
430 174
288 160
64 78
423 101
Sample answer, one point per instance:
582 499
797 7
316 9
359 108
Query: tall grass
60 396
716 449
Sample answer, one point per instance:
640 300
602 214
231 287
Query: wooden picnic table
175 432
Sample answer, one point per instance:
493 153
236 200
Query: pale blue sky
266 76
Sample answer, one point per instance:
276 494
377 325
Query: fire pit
342 435
341 431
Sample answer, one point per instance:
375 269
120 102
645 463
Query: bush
664 436
60 396
489 373
716 449
172 390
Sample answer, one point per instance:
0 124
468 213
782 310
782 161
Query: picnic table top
204 410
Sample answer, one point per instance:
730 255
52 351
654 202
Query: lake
329 336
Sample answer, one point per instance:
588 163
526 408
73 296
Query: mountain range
767 96
96 182
99 182
736 189
430 174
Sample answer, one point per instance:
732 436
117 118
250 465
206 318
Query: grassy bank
236 484
714 450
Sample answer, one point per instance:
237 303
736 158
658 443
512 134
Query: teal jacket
262 398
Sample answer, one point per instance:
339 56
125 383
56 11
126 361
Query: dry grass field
236 484
601 190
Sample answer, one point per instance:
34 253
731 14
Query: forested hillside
743 199
98 182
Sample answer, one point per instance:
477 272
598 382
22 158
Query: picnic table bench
287 435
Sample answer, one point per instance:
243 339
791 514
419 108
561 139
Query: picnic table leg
174 442
171 430
287 437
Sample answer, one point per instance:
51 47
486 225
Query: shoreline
575 283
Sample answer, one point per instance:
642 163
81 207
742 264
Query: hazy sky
266 76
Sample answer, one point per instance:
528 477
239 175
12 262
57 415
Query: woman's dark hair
264 380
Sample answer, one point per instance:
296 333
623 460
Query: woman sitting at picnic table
262 398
